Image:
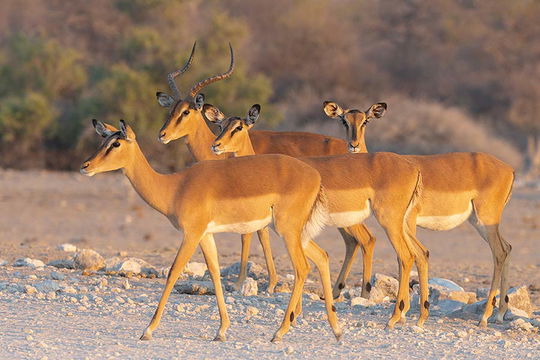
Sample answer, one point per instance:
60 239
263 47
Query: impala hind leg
320 259
354 237
500 250
503 303
301 268
182 257
405 262
208 247
244 255
264 238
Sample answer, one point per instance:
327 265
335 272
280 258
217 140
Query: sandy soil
40 210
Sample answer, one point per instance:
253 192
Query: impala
185 119
356 185
457 187
233 195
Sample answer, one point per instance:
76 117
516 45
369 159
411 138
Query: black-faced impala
233 195
457 187
185 120
356 185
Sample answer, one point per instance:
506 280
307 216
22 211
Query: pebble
28 262
88 259
67 247
126 285
29 289
55 275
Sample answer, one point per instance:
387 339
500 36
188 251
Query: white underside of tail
444 222
349 218
240 228
317 220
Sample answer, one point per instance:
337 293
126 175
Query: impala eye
186 112
239 128
116 144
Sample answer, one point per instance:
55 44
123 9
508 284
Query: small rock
123 253
254 271
249 287
282 288
251 311
126 285
445 283
67 247
360 301
88 259
229 300
3 262
290 277
195 269
29 289
417 329
62 263
445 307
519 298
33 263
130 266
383 286
68 290
289 350
520 324
194 287
57 276
47 286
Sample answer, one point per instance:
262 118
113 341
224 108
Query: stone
47 286
519 298
520 324
383 286
249 287
87 259
67 247
28 262
29 289
515 313
57 276
62 263
465 297
360 301
254 271
195 269
251 311
131 265
445 283
447 306
126 285
195 287
3 262
282 288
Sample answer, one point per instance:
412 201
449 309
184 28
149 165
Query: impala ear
164 99
213 114
103 130
376 110
253 114
199 101
127 131
332 109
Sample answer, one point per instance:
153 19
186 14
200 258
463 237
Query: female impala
355 186
457 187
233 195
185 119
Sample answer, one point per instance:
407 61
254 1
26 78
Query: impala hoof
482 324
276 338
338 334
219 337
147 335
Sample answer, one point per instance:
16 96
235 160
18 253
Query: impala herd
299 183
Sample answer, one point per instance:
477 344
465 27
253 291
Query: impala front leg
264 238
208 247
182 257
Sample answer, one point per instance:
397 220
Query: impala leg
182 257
422 264
246 242
264 238
503 304
320 259
208 247
405 262
500 250
351 248
301 268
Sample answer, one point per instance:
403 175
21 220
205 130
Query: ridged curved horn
174 74
194 90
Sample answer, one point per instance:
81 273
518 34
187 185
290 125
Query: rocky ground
60 301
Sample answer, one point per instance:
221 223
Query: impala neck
361 136
246 148
154 188
200 140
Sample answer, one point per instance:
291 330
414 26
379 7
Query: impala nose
161 137
353 148
85 165
215 149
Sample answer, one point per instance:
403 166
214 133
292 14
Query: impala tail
318 218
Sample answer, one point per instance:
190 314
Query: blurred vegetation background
458 75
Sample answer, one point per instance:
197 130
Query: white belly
349 218
443 222
240 228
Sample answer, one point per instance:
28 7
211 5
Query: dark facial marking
333 308
341 286
493 301
427 253
368 286
426 304
506 299
292 316
401 305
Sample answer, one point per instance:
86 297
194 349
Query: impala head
185 114
354 121
115 151
234 130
